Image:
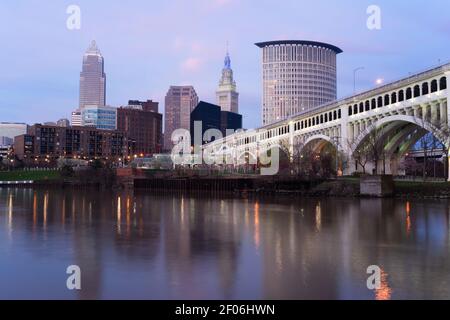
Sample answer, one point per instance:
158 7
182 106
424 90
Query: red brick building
141 123
72 142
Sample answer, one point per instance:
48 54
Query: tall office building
211 117
226 95
297 76
92 78
179 103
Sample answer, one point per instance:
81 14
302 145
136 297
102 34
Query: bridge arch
247 157
426 125
318 142
398 133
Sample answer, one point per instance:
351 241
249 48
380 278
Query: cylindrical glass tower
297 76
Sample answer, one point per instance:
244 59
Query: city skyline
193 55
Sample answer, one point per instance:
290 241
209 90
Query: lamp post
354 77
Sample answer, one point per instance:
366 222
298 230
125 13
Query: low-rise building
100 117
71 142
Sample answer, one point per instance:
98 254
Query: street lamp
354 77
379 81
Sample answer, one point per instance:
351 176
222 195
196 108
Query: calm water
148 246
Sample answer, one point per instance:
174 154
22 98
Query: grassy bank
422 189
20 175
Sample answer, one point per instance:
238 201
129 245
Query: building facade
179 103
211 117
76 118
230 122
226 95
297 76
24 147
43 141
148 105
100 117
92 78
142 124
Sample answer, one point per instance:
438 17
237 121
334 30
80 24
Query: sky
150 45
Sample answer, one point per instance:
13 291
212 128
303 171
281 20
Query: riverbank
30 175
237 185
343 187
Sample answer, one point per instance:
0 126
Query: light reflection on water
144 246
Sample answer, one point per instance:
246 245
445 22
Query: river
143 245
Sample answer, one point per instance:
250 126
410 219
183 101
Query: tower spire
93 48
226 95
227 62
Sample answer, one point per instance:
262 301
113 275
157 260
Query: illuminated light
257 233
385 292
379 81
318 217
408 218
119 213
10 212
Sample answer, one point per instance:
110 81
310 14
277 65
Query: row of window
402 95
300 125
299 53
319 119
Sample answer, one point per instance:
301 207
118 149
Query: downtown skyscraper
179 103
297 76
92 78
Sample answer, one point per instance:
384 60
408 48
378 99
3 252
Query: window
408 93
443 83
434 86
380 102
394 97
425 89
416 91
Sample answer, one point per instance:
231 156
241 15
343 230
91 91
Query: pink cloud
191 64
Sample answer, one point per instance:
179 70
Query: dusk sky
150 45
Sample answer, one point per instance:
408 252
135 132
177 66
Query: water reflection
175 247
